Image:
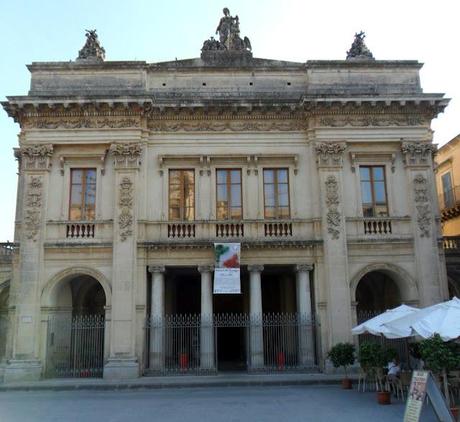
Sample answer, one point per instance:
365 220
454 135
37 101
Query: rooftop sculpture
229 36
359 50
92 50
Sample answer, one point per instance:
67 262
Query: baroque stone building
130 171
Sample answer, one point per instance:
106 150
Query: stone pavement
218 404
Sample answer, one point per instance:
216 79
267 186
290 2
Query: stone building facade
130 171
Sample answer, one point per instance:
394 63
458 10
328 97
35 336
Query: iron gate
75 346
189 343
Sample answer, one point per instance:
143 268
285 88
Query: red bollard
183 361
281 360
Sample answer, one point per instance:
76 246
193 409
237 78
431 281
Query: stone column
157 312
24 363
207 330
255 312
306 341
123 362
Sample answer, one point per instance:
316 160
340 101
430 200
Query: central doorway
231 328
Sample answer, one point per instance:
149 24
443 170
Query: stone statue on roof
358 49
92 50
229 36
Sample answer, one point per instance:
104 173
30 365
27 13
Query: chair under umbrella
375 325
442 318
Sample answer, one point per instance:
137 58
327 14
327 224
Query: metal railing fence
75 346
189 343
3 334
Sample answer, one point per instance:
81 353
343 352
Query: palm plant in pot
441 357
372 358
343 355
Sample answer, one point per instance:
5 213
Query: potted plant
441 357
343 354
372 358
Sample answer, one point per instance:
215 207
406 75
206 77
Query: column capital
156 268
303 268
205 268
255 268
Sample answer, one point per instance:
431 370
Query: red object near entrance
183 361
280 360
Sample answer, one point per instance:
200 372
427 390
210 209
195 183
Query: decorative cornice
368 120
82 122
330 154
417 153
304 267
126 155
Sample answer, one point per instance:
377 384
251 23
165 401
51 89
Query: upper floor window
373 191
82 194
229 204
276 193
182 195
447 191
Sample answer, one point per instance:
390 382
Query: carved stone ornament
32 209
81 122
422 205
125 201
229 36
333 217
365 121
330 154
417 153
92 50
359 50
226 125
126 155
36 157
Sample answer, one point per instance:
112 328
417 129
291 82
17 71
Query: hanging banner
227 268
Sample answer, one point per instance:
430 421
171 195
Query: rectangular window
229 204
276 193
182 195
373 191
447 191
82 194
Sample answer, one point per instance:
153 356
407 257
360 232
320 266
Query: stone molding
256 268
370 120
125 201
206 245
205 268
82 122
330 154
422 204
156 269
304 267
333 216
35 157
126 155
33 204
417 153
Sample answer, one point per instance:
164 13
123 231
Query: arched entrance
4 301
76 326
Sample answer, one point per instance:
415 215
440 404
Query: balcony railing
449 203
451 243
79 231
378 227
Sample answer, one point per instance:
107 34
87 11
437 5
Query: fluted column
157 311
206 330
255 313
306 344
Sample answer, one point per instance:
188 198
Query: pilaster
123 362
330 163
24 363
431 279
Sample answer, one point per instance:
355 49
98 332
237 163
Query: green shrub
342 354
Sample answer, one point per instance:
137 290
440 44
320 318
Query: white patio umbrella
375 325
442 318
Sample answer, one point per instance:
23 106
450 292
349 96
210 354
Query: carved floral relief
417 153
330 154
333 217
126 154
126 198
32 210
422 205
36 157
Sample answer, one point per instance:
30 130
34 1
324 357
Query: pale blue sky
151 30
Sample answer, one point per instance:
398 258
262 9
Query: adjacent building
129 172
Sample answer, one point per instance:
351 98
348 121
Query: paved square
230 404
